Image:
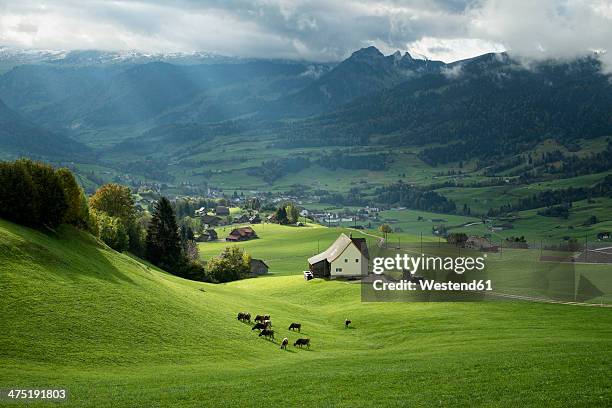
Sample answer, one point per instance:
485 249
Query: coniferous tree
163 245
281 216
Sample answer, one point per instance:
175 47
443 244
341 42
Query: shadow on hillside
76 256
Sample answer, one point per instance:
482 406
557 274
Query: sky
317 30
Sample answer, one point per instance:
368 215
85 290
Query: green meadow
117 332
284 248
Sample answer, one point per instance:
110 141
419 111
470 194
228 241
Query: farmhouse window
356 260
338 269
345 260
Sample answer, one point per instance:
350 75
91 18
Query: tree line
36 195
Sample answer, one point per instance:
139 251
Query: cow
266 317
346 323
284 343
244 317
259 318
260 326
294 326
268 322
302 342
267 333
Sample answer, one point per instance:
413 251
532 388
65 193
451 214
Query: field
115 331
285 249
530 224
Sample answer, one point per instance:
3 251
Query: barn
258 267
241 234
347 257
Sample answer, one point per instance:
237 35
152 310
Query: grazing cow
244 317
284 343
267 333
346 323
266 317
268 322
294 326
302 342
260 326
259 318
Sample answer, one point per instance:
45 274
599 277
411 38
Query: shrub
232 264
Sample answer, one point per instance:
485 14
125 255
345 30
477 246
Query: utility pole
586 246
421 242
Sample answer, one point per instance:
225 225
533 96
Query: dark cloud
314 29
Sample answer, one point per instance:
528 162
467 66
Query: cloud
320 30
543 29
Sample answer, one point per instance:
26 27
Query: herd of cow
264 325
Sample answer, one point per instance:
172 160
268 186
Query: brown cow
294 326
284 343
302 342
267 333
260 326
259 318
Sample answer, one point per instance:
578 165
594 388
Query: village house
200 212
242 219
480 244
207 236
255 219
241 234
258 267
222 211
347 257
210 220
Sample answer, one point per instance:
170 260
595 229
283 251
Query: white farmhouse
347 257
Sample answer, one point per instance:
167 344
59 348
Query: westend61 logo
408 266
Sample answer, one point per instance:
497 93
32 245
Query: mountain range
487 105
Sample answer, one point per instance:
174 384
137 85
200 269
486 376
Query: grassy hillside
117 332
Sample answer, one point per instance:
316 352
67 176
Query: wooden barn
258 267
347 257
241 234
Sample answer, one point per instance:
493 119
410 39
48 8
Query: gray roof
334 251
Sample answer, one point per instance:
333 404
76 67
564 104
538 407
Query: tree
163 244
16 193
50 200
232 264
457 238
385 229
255 204
281 216
74 213
115 200
112 231
293 214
